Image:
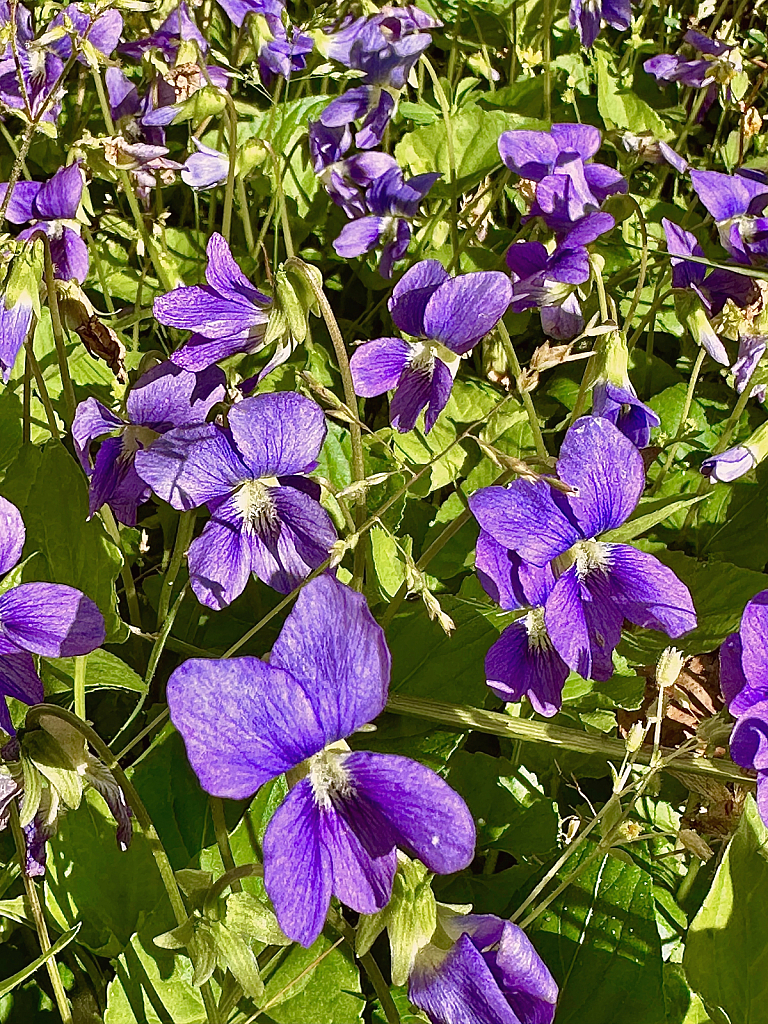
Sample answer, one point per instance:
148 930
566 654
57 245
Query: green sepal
251 919
49 757
23 282
33 791
234 953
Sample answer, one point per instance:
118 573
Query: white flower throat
256 505
329 779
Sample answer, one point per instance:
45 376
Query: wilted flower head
245 722
162 398
447 317
717 66
206 168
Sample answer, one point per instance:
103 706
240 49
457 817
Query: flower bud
669 666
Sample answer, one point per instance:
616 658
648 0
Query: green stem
26 424
445 110
643 265
681 426
42 390
245 216
37 916
509 348
371 968
283 210
229 191
129 585
222 838
56 326
184 531
528 731
80 666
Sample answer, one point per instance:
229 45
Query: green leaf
600 941
16 979
475 143
328 994
726 954
659 510
102 670
51 490
252 919
621 108
235 954
152 988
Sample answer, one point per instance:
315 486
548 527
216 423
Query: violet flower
737 203
369 103
245 722
729 465
548 281
719 63
18 302
103 34
481 970
206 168
50 619
598 584
51 206
621 407
266 517
282 49
393 202
228 315
447 317
588 16
164 397
179 27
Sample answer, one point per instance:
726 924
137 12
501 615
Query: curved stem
131 597
184 531
681 426
509 348
42 390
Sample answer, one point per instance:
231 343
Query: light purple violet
15 321
588 16
228 315
50 619
266 517
245 722
548 282
729 465
206 168
737 202
447 317
481 970
714 67
598 584
162 398
51 206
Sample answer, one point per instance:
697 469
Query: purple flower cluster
744 682
538 548
446 317
245 722
283 49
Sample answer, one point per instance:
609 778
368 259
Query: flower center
587 555
538 637
255 505
329 779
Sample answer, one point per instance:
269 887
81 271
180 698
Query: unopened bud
669 666
635 737
693 842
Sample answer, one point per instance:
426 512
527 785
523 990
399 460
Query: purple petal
604 181
224 275
530 154
527 259
92 421
167 396
123 94
220 559
589 228
189 466
464 309
69 253
618 13
21 207
625 410
114 481
206 168
420 385
49 619
608 471
200 352
732 678
426 816
729 465
361 879
59 198
563 321
14 328
524 518
203 310
360 236
648 593
19 679
334 646
497 570
297 867
582 139
754 635
350 106
749 739
584 622
517 666
412 293
726 195
12 535
278 434
378 365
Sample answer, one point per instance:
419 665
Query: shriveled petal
337 650
377 366
426 816
12 535
608 471
297 867
168 396
191 465
648 593
749 739
524 518
50 619
92 421
459 987
463 310
584 623
412 293
517 666
278 434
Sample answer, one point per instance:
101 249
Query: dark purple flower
392 202
163 398
51 206
569 190
346 181
548 281
370 103
228 315
588 15
729 465
50 619
598 584
266 518
245 722
178 27
447 316
384 46
489 973
749 748
624 409
737 203
206 168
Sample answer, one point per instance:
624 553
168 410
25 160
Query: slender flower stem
37 916
245 216
514 363
643 265
56 326
79 687
42 390
681 426
129 585
222 839
445 110
229 191
184 531
283 210
370 967
26 425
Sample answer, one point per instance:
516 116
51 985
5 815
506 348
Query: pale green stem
229 191
184 531
445 110
514 363
682 425
56 326
80 667
643 265
42 390
129 584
